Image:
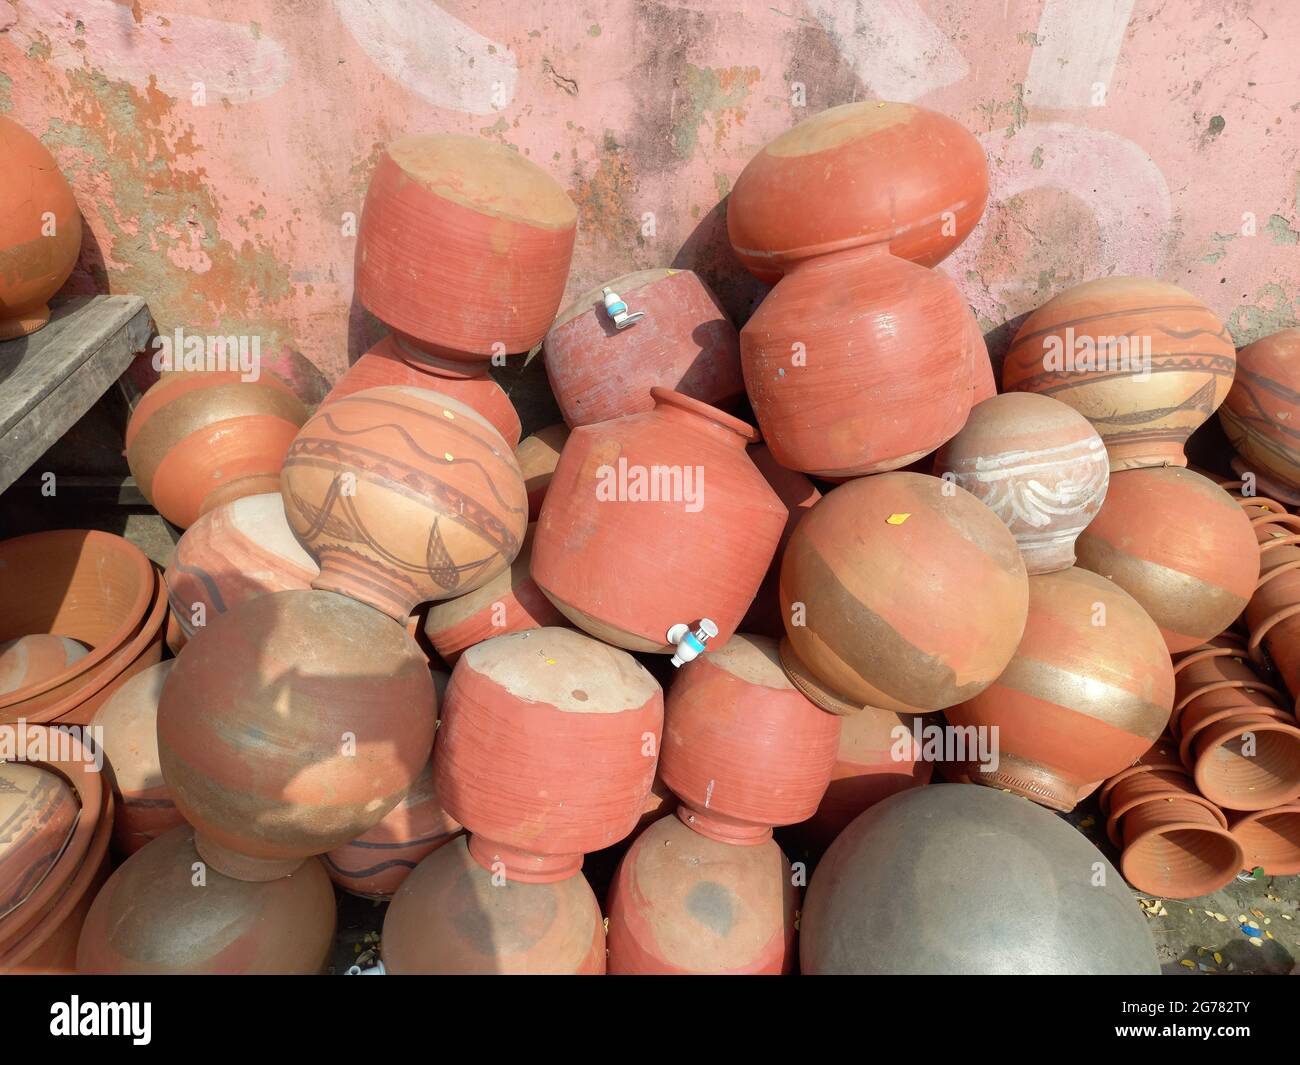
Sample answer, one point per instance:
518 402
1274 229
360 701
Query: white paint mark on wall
433 54
1080 45
897 52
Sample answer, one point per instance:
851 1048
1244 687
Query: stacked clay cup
1260 414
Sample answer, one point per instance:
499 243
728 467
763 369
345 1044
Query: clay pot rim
1108 785
725 829
1253 817
1200 775
1182 826
1236 648
812 689
670 397
1186 742
1256 646
776 264
412 355
1225 685
1113 821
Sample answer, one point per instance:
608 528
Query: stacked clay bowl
91 587
538 455
1143 360
464 245
1261 412
198 439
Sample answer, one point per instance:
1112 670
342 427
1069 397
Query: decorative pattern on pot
403 495
1261 416
1143 360
1270 839
28 661
464 245
669 518
38 811
858 631
546 749
538 455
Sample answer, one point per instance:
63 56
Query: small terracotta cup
1270 839
1247 762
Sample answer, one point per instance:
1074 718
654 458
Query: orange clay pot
983 384
1219 676
538 455
1247 761
1161 756
1175 848
1270 839
1273 615
32 660
1261 414
1157 785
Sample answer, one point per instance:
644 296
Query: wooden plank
50 379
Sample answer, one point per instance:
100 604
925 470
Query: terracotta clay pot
884 571
538 455
1161 756
35 260
148 918
857 363
32 660
1177 849
685 342
1270 839
1179 545
1273 615
292 725
38 810
1080 700
451 917
397 361
1038 465
546 749
509 602
743 748
464 245
1159 785
1216 677
862 173
1166 363
1261 413
983 384
683 904
129 721
669 518
375 863
202 438
403 495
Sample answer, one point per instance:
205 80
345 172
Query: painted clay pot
32 660
1038 465
403 495
92 587
375 863
240 550
129 721
1006 859
684 904
1261 413
198 439
883 571
685 342
38 810
538 455
1179 545
509 602
1080 700
1270 839
1176 848
672 522
151 918
743 748
798 495
983 384
397 361
464 245
40 231
451 917
862 173
292 725
1143 360
542 749
857 363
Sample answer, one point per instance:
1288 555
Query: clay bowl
1270 839
1178 849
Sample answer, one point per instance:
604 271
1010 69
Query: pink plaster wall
1123 136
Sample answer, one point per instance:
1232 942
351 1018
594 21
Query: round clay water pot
129 721
743 748
1145 361
861 173
509 602
375 863
1262 410
198 439
464 245
1270 839
292 725
38 810
983 384
167 912
452 917
40 231
403 495
1088 690
1248 762
884 571
1179 545
657 519
881 900
684 904
397 361
546 749
685 342
857 363
1178 849
1038 465
31 660
538 455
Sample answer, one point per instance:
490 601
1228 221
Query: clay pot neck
522 867
419 358
697 416
472 361
243 866
855 254
344 574
722 829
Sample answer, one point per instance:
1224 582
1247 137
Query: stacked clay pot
1088 348
1270 839
201 438
685 342
1038 465
1273 615
1260 414
902 592
464 246
657 551
40 231
1089 688
538 455
983 384
798 495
